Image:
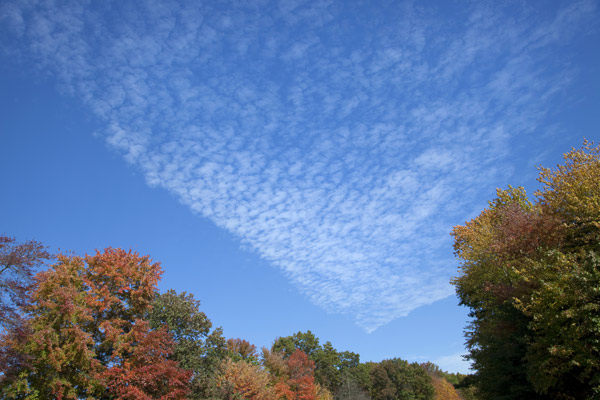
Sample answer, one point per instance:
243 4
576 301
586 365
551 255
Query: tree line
96 327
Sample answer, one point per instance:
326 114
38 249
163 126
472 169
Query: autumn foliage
301 381
241 349
530 275
96 327
241 379
444 390
89 337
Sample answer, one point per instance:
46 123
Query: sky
296 165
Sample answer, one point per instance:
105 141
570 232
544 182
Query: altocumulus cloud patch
341 141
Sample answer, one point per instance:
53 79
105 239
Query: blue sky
294 164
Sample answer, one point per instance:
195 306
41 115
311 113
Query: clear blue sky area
294 165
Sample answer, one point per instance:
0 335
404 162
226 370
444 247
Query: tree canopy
89 336
530 275
97 327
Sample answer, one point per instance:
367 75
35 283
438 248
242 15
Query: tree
530 275
196 348
301 376
17 266
307 342
444 389
142 369
330 364
350 389
443 382
293 376
243 380
494 248
89 337
564 353
240 349
397 379
276 363
61 352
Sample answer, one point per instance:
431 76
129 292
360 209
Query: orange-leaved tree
293 376
89 337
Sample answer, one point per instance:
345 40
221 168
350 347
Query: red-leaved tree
294 376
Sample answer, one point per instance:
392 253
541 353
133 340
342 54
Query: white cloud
342 152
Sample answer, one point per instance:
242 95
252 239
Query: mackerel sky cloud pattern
341 141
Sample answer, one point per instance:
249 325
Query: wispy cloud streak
340 143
